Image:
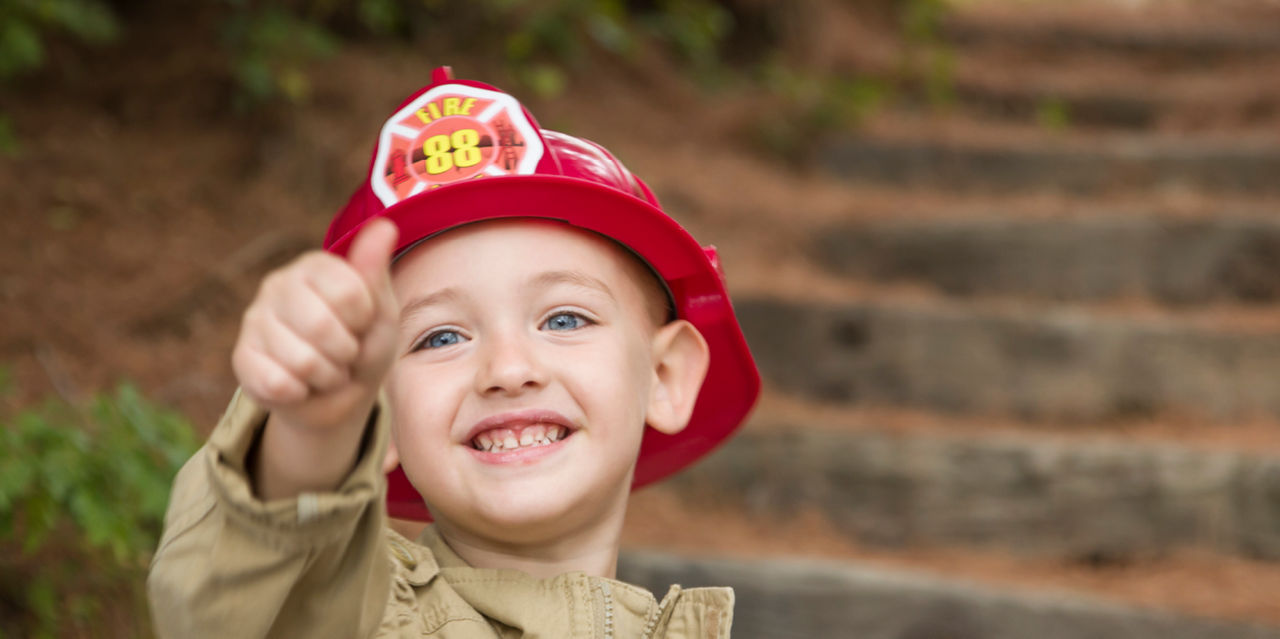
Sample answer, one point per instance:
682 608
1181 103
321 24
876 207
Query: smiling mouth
514 438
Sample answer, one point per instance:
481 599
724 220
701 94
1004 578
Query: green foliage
922 20
270 50
25 24
928 59
272 44
1053 114
545 39
815 105
83 489
818 102
379 16
8 140
694 30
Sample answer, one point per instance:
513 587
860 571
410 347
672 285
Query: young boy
508 327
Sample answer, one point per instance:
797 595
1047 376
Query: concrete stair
1027 321
1187 36
1050 162
1226 258
1093 500
1062 365
780 599
1013 65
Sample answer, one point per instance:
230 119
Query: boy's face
527 362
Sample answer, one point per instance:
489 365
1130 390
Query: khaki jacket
326 565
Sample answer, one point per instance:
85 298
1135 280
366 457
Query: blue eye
440 339
565 322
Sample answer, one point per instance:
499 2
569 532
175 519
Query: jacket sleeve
230 565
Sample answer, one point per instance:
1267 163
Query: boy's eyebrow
576 278
549 278
416 304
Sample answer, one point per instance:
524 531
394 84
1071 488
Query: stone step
1123 68
1096 108
1054 164
1115 65
1190 34
1056 364
1085 89
1175 261
1199 106
1097 500
805 598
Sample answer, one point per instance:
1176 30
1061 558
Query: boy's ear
392 458
680 360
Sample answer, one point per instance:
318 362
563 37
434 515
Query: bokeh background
1011 271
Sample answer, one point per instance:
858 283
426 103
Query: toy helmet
459 151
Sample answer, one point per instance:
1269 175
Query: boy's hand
314 347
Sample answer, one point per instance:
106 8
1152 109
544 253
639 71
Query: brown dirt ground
142 214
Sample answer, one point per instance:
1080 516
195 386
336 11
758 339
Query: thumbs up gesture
314 347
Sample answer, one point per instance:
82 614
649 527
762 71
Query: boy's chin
521 519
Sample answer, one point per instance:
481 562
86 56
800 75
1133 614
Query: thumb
370 254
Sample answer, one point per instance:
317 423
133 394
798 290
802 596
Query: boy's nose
509 367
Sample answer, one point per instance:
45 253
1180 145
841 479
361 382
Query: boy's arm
233 565
275 526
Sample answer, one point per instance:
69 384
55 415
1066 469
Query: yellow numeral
445 151
465 152
439 159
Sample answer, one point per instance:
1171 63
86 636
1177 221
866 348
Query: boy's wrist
295 455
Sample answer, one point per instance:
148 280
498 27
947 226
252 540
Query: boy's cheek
407 411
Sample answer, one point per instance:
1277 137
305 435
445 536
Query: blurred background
1010 269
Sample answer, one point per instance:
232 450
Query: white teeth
502 440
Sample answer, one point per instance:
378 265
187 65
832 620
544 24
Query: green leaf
91 21
519 46
609 32
1053 114
40 516
42 598
254 77
9 145
546 80
294 85
379 16
15 482
20 47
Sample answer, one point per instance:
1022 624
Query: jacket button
401 553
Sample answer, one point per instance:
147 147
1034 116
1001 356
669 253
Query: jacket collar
588 606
